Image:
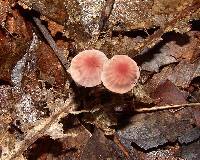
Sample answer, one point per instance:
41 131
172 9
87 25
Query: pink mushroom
120 74
86 67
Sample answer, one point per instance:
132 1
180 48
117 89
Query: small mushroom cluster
91 67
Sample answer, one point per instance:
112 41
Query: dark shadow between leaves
195 25
135 33
196 140
196 81
128 112
135 146
69 122
148 54
3 82
15 128
44 145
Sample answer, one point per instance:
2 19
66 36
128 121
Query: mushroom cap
120 74
86 67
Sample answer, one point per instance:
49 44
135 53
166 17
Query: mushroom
120 74
86 67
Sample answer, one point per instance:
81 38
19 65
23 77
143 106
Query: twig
3 25
156 108
156 37
30 139
51 42
121 146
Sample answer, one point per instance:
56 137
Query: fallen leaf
99 147
13 48
168 93
158 60
191 151
151 130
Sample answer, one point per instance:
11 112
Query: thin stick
156 108
121 146
29 140
51 42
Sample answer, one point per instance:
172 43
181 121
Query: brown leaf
98 147
7 111
189 51
4 8
49 67
141 95
172 52
13 48
103 120
197 116
158 60
54 10
184 73
181 75
135 14
54 27
168 93
66 13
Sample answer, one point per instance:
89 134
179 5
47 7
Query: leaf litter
45 115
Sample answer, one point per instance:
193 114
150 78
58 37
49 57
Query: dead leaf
191 151
151 130
98 147
158 60
184 73
13 48
168 93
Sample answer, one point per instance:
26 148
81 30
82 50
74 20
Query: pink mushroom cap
120 74
86 67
